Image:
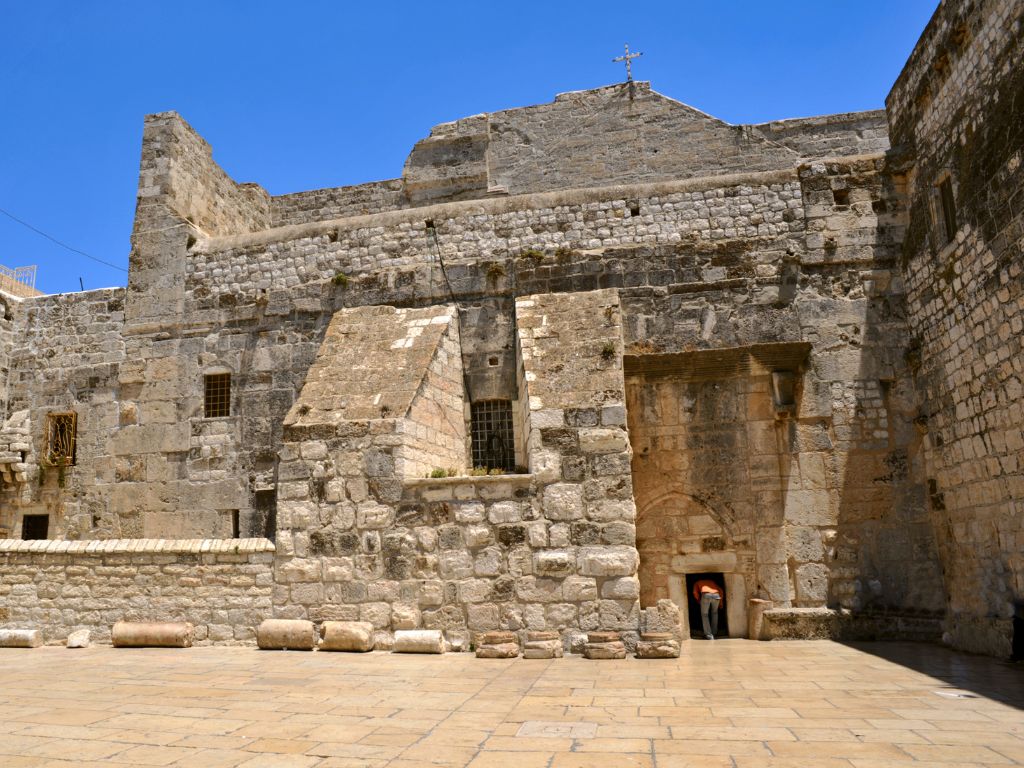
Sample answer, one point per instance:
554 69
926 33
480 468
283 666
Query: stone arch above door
675 524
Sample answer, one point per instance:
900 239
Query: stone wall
65 356
851 133
358 538
955 113
221 587
337 203
621 134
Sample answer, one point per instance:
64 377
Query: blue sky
300 95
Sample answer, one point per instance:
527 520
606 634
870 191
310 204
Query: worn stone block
346 636
419 641
20 638
127 634
286 634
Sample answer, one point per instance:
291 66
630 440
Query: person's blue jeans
709 603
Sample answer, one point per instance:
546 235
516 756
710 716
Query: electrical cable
58 242
458 311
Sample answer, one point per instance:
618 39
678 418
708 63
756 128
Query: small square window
61 434
217 402
35 527
493 446
948 205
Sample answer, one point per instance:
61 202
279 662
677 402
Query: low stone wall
829 624
222 586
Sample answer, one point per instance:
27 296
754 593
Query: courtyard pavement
728 704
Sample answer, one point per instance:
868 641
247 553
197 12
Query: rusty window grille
217 402
61 433
491 427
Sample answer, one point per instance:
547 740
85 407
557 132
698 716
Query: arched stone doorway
678 534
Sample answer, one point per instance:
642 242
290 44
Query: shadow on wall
885 564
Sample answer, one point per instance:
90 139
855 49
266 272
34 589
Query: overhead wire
38 231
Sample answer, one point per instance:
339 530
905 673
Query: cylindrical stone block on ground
355 636
286 634
755 617
603 637
419 641
157 634
20 638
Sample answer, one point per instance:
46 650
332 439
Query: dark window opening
217 400
1017 641
264 505
236 531
35 527
948 209
429 223
693 604
634 209
61 439
841 196
493 442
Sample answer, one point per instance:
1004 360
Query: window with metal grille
217 402
61 431
493 444
948 208
34 527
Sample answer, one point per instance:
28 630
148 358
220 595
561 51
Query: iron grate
217 402
493 445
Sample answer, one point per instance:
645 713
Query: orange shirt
706 585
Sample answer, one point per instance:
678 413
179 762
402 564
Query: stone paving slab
731 703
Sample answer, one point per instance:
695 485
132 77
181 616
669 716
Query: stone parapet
222 587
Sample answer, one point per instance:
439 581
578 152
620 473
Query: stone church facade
577 355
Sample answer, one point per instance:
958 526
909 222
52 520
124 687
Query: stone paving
728 704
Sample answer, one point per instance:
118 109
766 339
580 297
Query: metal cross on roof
627 58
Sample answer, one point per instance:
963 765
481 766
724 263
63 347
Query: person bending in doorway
711 598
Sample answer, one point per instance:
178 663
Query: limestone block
563 501
130 634
579 588
286 634
661 619
542 645
657 645
404 616
607 561
20 638
495 637
597 440
79 639
498 651
549 649
346 636
625 588
612 650
553 562
812 583
419 641
603 637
